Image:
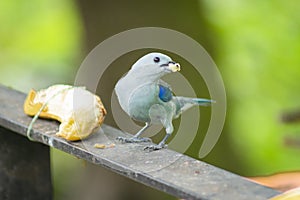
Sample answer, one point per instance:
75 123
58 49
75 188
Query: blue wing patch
165 94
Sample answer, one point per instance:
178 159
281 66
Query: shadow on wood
24 168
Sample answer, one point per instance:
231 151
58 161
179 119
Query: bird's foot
155 147
133 140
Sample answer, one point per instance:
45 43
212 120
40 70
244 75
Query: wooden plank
24 168
165 170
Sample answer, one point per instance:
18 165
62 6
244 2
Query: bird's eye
156 59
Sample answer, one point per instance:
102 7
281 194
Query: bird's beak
174 67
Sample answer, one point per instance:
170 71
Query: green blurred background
255 44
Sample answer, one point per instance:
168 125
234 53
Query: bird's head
156 64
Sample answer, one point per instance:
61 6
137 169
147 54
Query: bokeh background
255 44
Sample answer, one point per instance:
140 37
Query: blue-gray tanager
146 98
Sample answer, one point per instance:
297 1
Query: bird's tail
184 103
201 102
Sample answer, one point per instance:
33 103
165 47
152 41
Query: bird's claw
133 140
155 147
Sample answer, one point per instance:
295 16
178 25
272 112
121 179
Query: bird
146 98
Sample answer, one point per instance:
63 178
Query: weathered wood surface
165 170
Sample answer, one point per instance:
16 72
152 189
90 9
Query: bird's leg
136 138
162 144
159 146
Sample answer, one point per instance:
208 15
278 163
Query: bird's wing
165 93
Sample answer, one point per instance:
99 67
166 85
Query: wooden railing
25 165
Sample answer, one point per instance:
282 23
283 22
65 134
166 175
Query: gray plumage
146 98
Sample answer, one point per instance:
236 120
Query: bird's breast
141 100
146 106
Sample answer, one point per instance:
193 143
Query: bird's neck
144 77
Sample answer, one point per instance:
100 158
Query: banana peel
80 112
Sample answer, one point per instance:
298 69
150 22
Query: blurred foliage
39 42
258 47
